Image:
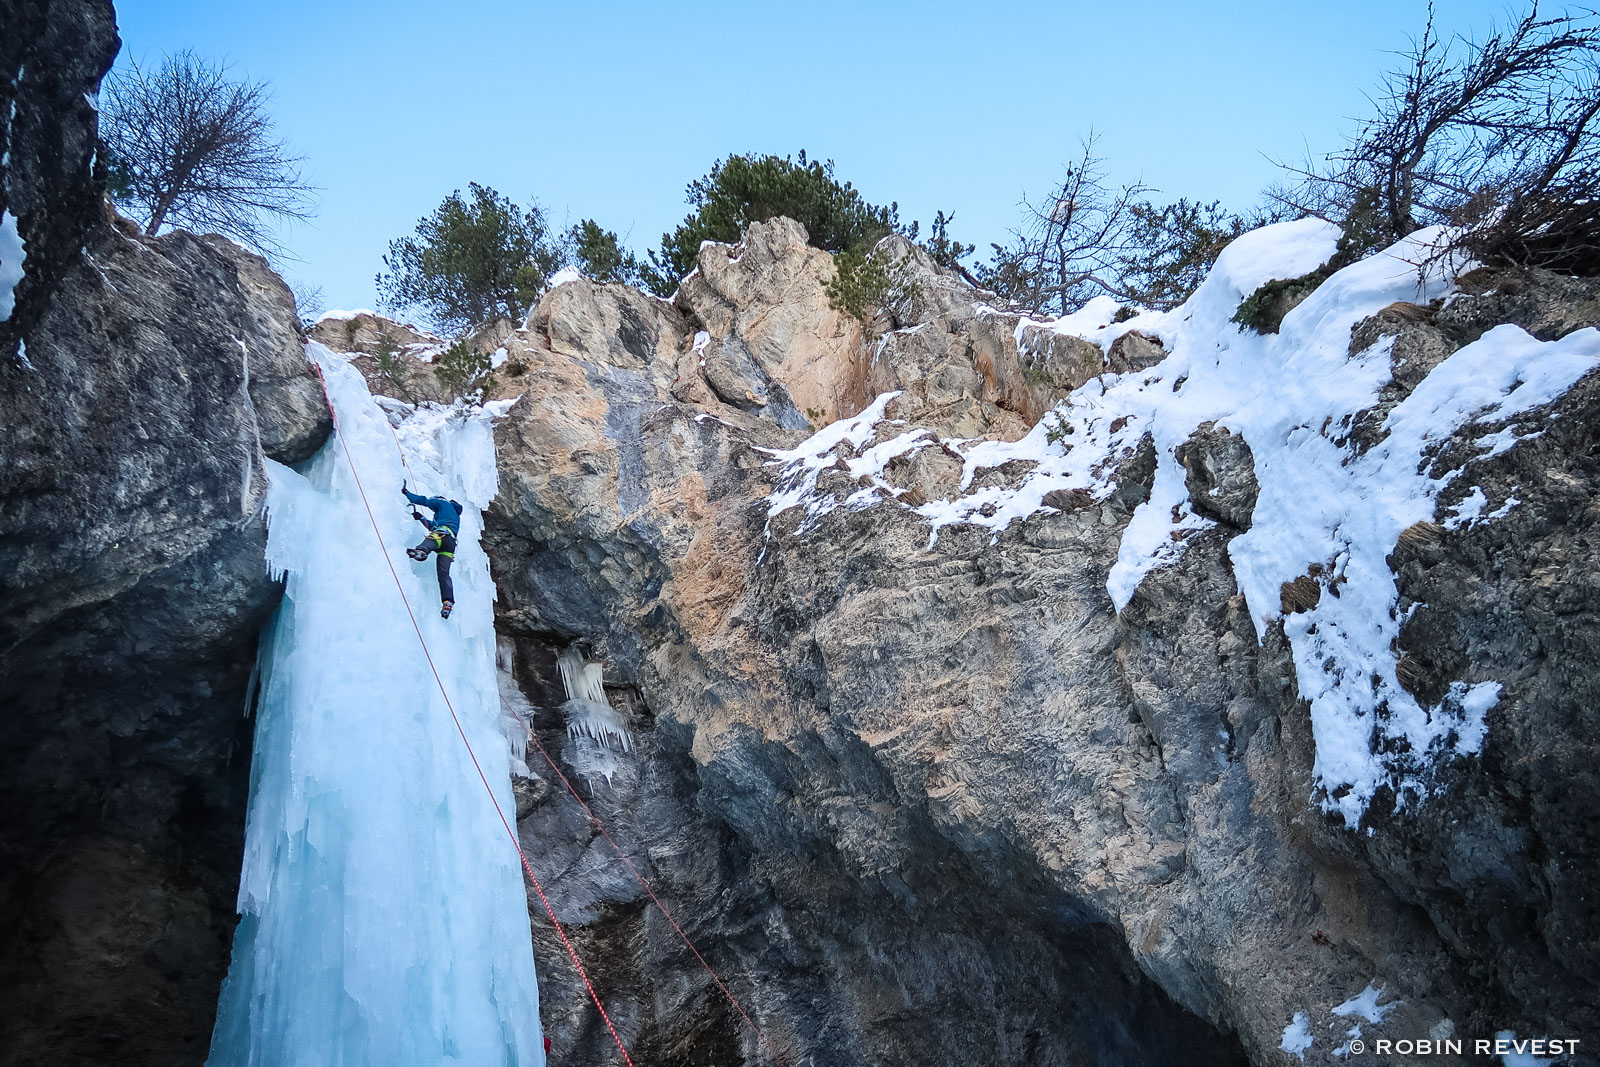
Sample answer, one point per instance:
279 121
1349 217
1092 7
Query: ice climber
441 539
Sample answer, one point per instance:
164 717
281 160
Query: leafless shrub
1091 237
1495 138
308 304
1302 594
1072 244
193 148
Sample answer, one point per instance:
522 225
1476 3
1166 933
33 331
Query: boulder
370 333
1135 351
1058 362
765 297
1221 475
291 411
1546 304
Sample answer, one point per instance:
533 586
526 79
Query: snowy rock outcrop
395 357
1252 676
770 338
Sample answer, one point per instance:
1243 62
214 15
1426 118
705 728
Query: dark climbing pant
442 542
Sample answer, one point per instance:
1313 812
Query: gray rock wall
141 384
942 803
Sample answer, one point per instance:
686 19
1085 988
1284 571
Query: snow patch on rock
1325 509
1297 1035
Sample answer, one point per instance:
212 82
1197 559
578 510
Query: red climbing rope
527 868
623 856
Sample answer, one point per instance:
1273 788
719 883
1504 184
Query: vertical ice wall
384 921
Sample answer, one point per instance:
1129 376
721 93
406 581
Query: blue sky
609 110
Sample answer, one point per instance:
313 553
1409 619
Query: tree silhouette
195 149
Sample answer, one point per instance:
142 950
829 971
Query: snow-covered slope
1327 507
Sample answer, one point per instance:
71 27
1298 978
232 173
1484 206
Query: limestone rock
394 357
1516 600
291 411
1546 304
935 291
957 376
957 753
1221 475
765 297
1135 351
529 793
370 333
1059 362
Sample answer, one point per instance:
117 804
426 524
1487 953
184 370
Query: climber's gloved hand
403 485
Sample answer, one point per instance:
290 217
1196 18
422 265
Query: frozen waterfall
384 921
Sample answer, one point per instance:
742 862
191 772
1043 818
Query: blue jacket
446 513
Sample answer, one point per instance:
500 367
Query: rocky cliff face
943 755
141 383
929 799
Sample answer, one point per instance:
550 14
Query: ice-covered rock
383 919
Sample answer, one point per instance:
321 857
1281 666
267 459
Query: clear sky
608 110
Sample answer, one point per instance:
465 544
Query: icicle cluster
596 731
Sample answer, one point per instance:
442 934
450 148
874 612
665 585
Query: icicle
597 731
602 722
516 714
583 680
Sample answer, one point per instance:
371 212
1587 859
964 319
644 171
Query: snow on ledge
1326 510
1297 1035
1365 1004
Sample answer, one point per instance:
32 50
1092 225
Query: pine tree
741 190
472 261
599 255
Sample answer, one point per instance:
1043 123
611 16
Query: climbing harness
526 866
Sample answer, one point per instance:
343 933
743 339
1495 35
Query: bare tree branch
197 150
1483 136
1071 245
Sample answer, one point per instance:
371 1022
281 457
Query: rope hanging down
526 866
657 901
623 856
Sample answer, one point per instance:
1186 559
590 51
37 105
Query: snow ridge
1325 509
